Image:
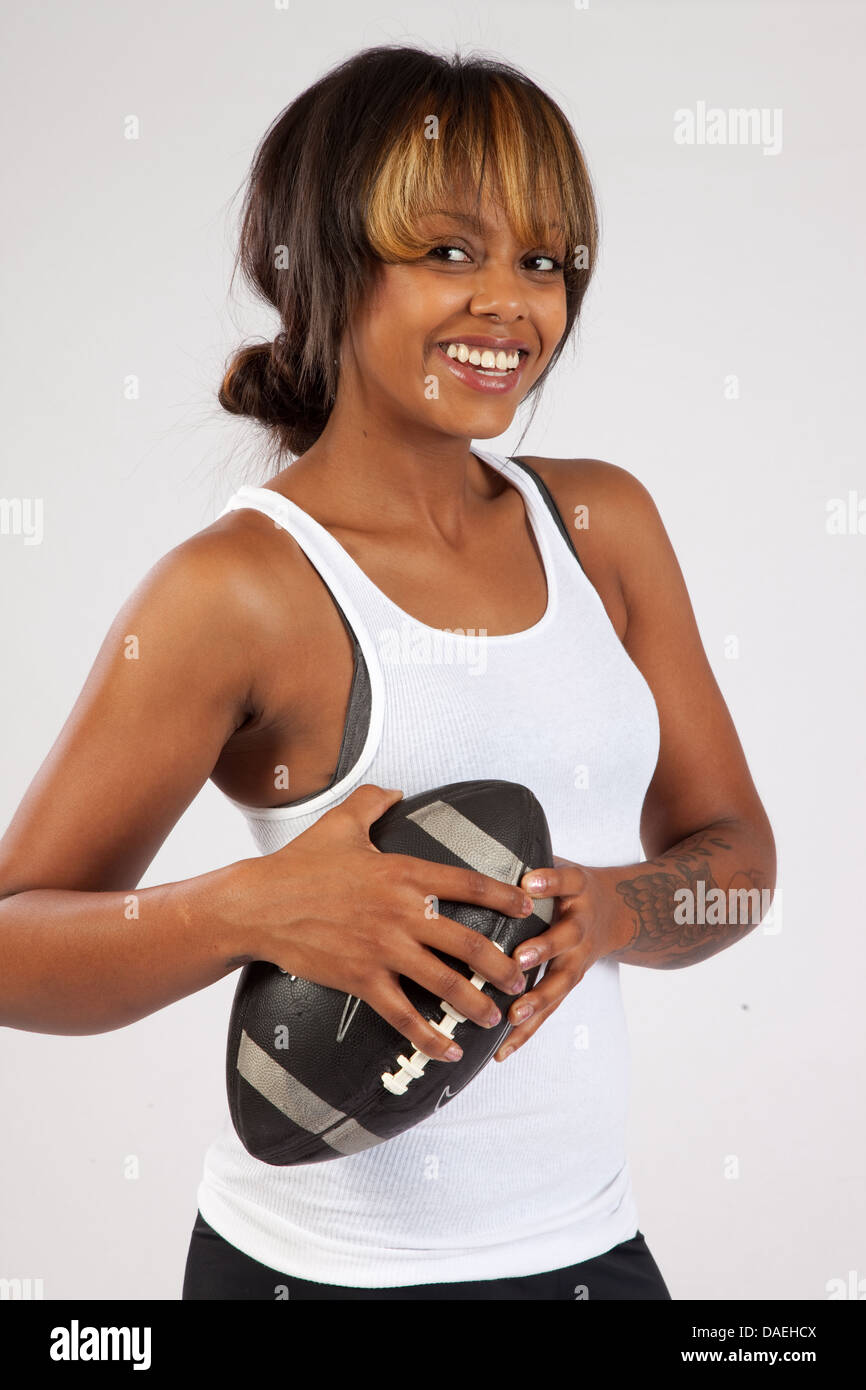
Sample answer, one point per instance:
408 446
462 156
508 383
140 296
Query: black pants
217 1270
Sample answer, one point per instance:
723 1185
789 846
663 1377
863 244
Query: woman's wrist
215 907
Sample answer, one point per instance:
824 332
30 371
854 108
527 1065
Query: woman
422 612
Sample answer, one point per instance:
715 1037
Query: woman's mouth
483 369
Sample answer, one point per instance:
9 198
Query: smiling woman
426 231
394 610
385 162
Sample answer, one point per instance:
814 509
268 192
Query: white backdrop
720 361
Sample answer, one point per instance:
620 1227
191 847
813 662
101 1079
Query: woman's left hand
587 925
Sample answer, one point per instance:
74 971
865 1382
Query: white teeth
485 358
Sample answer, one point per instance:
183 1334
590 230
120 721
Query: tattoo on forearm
681 914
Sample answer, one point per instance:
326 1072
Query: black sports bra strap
551 505
358 713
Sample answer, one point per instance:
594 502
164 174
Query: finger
563 935
563 975
546 1001
551 882
449 881
477 951
364 805
448 986
521 1034
391 1003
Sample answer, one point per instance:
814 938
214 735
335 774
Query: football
315 1074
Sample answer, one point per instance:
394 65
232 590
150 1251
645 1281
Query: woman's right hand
332 908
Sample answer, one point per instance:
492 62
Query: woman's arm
80 963
711 853
81 949
695 899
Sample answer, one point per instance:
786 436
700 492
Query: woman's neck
433 486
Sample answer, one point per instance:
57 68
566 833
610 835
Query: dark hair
338 183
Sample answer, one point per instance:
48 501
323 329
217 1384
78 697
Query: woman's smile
483 368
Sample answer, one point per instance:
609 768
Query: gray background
716 261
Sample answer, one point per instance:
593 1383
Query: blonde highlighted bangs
516 142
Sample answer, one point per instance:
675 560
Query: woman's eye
554 264
449 247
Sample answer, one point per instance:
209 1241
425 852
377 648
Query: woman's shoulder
593 479
611 514
611 519
259 569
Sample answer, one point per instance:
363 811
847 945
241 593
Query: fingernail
536 881
455 1053
528 957
507 1053
523 1012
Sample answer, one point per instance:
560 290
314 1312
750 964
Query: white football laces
412 1067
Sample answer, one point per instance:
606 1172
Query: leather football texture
316 1074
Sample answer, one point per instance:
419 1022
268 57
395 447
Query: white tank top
526 1169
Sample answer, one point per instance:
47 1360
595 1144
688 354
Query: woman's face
478 287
